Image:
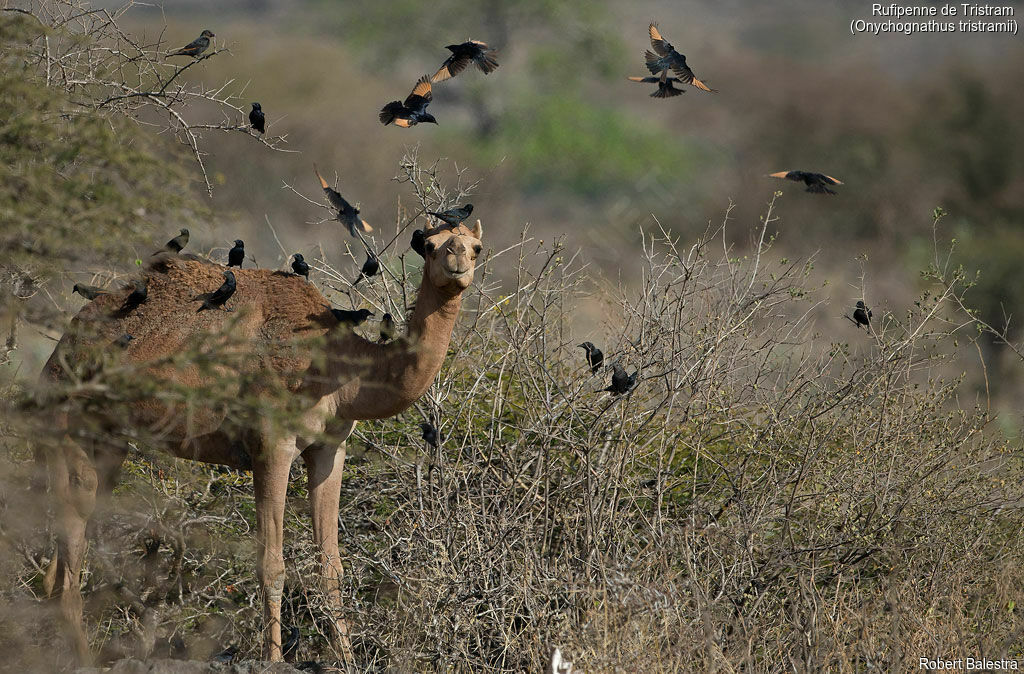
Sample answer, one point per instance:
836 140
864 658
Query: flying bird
665 88
862 315
668 57
348 214
196 46
88 292
138 295
351 318
300 266
387 329
431 434
257 118
621 382
816 182
454 216
236 256
370 268
594 356
176 244
217 298
413 110
463 54
419 242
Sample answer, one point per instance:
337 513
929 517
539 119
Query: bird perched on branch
348 214
176 244
387 329
594 356
291 645
419 242
431 434
454 216
138 295
862 315
816 182
413 110
196 46
621 382
351 318
227 656
217 298
257 119
665 88
463 54
236 256
300 266
668 57
88 292
370 268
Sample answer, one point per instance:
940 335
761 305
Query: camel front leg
270 477
325 464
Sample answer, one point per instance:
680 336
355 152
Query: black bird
387 329
816 182
665 88
594 355
227 656
463 54
88 292
413 110
217 298
862 315
419 243
431 434
291 644
137 296
257 119
454 216
196 46
370 268
352 318
668 57
236 256
176 244
621 382
123 341
300 267
348 214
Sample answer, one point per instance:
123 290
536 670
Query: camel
290 344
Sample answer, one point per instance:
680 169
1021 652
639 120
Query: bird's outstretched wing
421 94
660 44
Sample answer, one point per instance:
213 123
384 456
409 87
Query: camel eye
430 247
477 248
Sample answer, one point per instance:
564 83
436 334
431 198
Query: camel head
451 254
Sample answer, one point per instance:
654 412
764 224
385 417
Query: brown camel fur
277 337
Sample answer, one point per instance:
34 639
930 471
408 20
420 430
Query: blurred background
561 141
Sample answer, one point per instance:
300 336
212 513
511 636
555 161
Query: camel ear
478 230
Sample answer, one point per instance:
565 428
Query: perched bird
236 256
665 88
431 434
419 242
138 295
621 382
352 318
370 268
862 315
816 182
387 329
668 57
196 46
463 54
217 298
454 216
413 110
594 356
176 244
348 214
123 341
291 644
88 292
300 267
227 656
257 119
